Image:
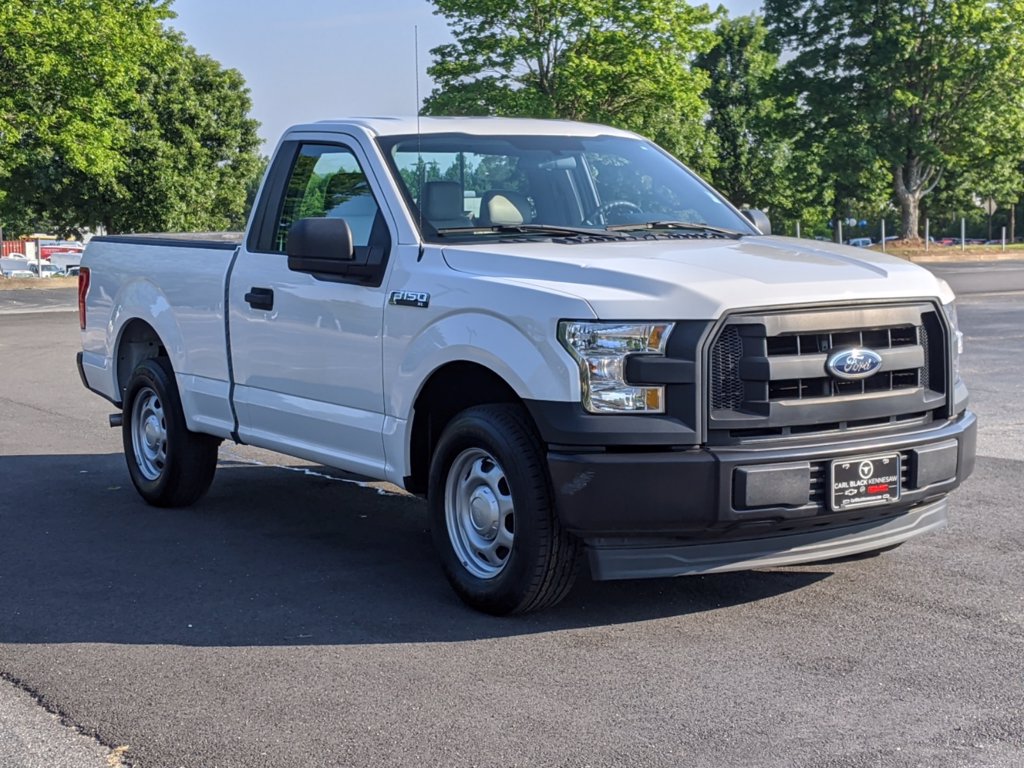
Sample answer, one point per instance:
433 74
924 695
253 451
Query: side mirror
759 219
321 245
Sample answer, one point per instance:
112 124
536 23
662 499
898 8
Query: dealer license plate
865 481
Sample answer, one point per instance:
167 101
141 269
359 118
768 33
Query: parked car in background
16 268
859 242
44 270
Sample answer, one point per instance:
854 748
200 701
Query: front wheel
169 465
493 519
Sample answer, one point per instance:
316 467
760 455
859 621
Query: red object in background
46 251
9 247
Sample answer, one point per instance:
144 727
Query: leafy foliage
759 161
909 87
109 118
195 150
744 114
620 62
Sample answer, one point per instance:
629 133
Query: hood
700 279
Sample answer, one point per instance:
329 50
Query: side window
328 181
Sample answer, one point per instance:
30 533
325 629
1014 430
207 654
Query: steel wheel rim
149 434
479 513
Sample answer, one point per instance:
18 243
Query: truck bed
176 282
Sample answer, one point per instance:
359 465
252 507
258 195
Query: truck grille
768 377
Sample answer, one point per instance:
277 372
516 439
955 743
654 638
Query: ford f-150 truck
570 344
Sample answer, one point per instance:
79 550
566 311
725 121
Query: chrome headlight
601 350
957 335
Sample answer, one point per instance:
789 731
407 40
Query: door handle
260 298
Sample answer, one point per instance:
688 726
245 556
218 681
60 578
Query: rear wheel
169 465
494 523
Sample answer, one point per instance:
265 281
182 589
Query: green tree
622 62
912 86
109 118
194 152
744 114
69 71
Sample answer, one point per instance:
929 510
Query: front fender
527 357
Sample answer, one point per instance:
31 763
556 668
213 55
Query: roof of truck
392 126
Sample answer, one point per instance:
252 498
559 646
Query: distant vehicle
859 242
68 258
44 270
17 268
72 271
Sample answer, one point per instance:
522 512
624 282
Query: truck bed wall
176 287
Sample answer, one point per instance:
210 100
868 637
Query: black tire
169 465
493 451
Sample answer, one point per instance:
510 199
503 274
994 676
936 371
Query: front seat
500 207
444 204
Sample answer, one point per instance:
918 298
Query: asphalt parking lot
293 618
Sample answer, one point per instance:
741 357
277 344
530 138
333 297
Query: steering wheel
624 208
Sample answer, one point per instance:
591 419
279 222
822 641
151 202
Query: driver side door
306 347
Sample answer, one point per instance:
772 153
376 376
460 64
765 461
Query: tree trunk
910 221
912 180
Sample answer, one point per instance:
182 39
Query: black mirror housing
759 219
320 245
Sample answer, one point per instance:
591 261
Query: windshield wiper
531 229
687 225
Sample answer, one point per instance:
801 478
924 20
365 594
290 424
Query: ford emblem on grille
856 363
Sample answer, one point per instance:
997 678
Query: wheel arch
136 341
449 390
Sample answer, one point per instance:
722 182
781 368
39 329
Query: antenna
420 167
416 54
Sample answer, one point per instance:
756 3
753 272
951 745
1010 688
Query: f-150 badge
409 299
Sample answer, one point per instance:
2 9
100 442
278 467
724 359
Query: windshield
463 186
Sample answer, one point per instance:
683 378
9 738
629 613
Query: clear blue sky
310 60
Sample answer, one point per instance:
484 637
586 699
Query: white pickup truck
559 335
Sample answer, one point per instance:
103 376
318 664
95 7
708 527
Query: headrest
503 206
443 200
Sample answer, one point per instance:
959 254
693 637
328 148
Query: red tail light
83 291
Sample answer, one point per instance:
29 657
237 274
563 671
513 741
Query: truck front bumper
668 513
